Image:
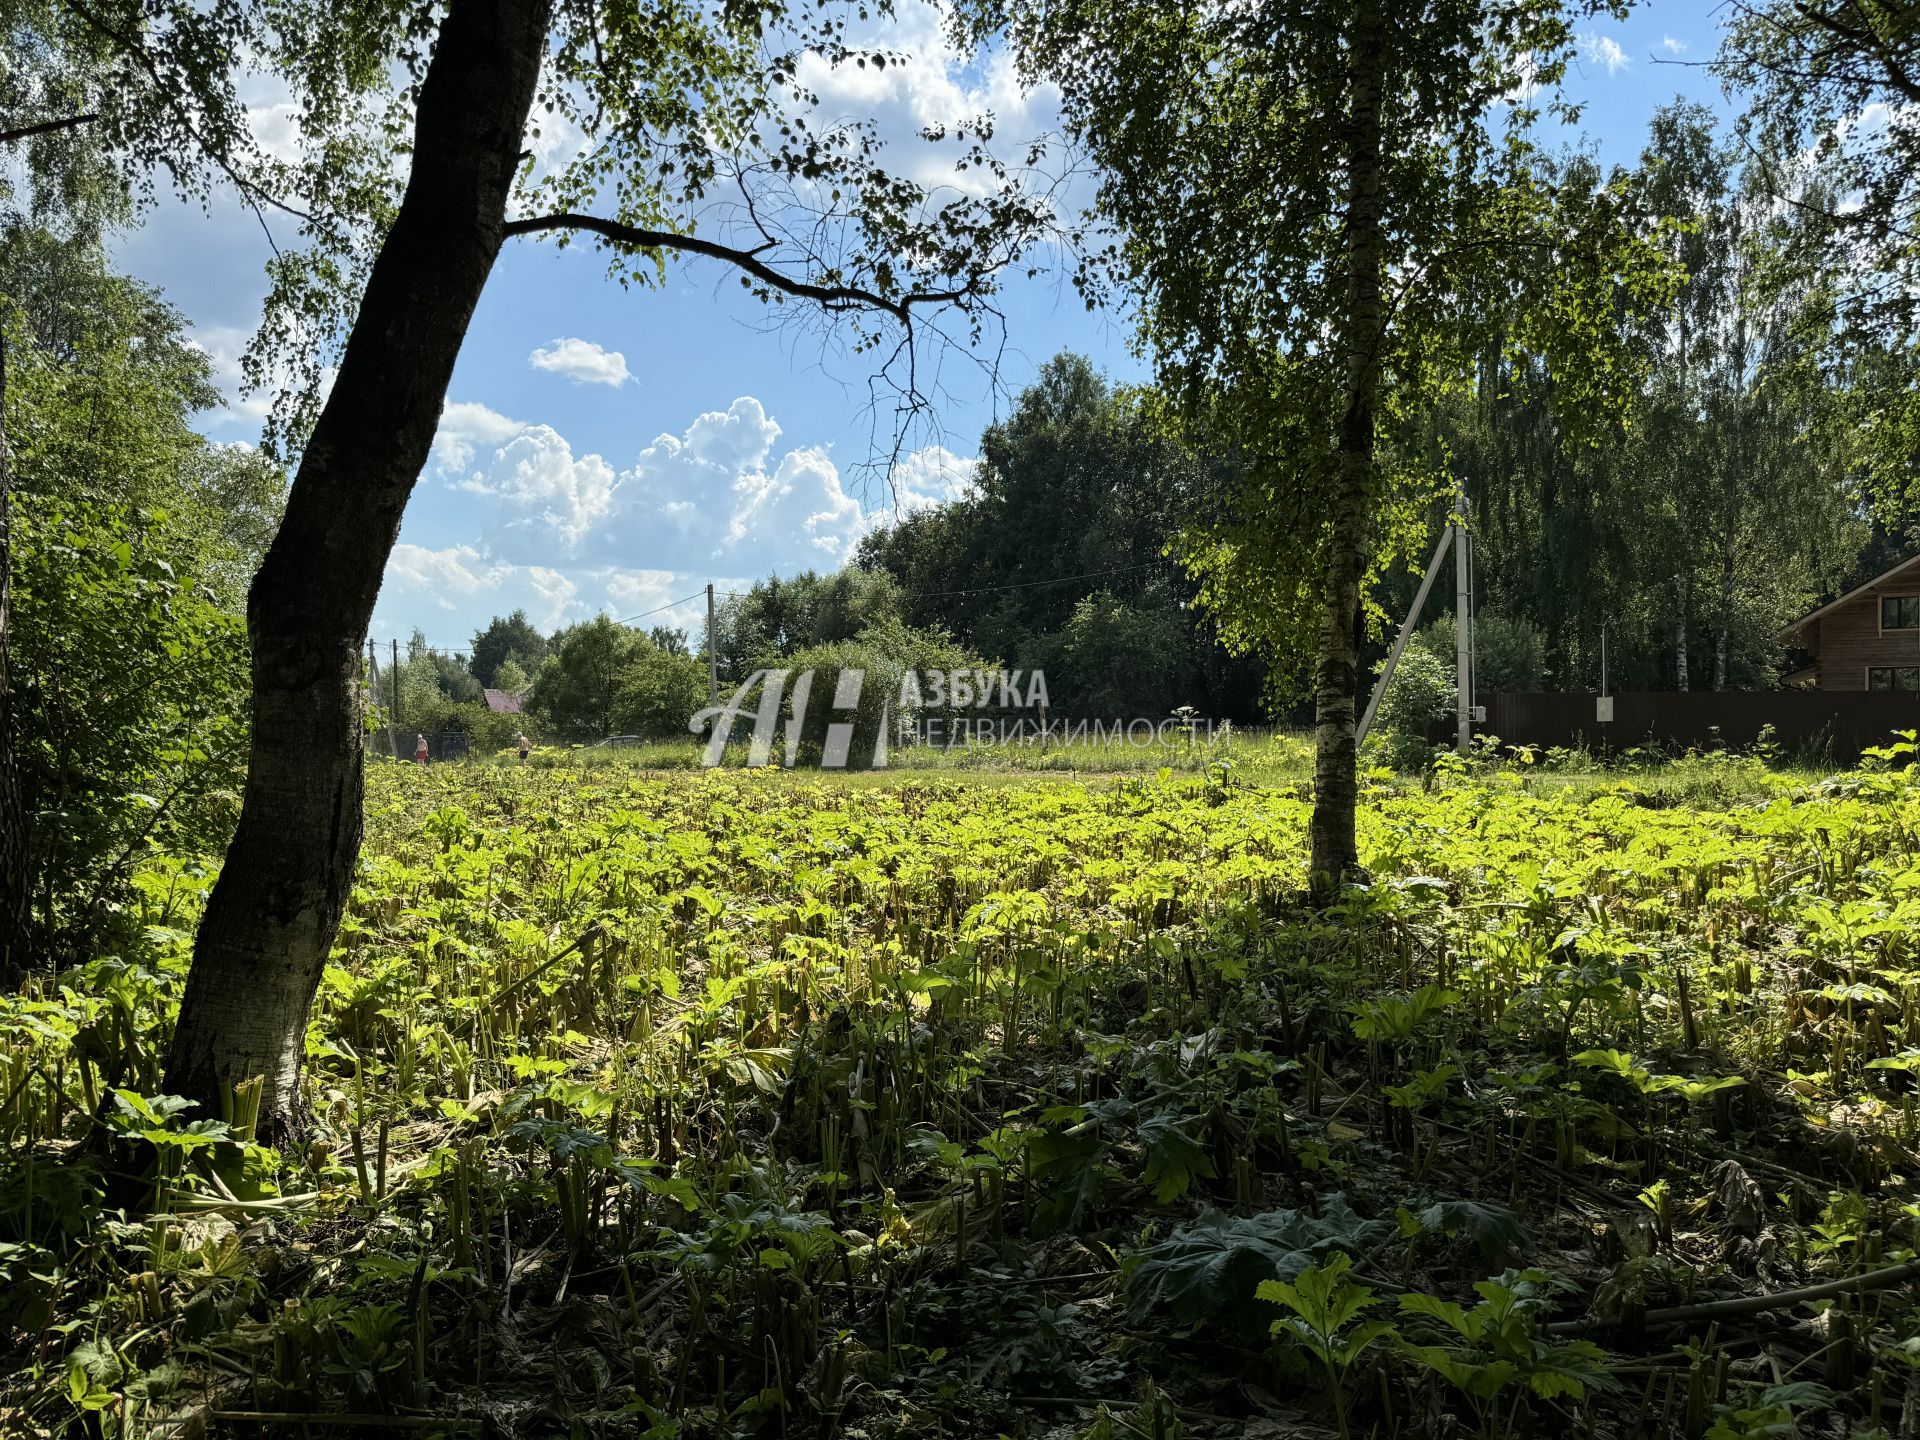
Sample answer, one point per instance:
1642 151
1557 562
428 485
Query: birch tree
1319 209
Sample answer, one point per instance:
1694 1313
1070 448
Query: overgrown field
737 1104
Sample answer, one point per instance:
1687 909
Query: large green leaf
1210 1269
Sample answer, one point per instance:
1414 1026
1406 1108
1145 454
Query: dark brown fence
1801 720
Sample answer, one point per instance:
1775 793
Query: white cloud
641 589
1604 51
677 499
223 345
455 577
931 84
932 476
543 490
737 438
565 535
456 570
465 428
553 596
581 361
1673 46
803 498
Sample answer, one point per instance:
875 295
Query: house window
1893 677
1900 612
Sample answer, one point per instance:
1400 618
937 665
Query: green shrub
1508 655
883 654
657 693
1420 697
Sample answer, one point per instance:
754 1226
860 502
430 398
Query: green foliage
658 693
884 655
1248 154
1509 655
689 1033
1396 1018
132 542
1494 1230
1119 661
1419 700
1811 70
506 640
1212 1269
577 691
1773 1413
1498 1344
1731 496
1174 1159
1324 1305
778 618
1053 558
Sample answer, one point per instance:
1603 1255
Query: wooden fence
1840 725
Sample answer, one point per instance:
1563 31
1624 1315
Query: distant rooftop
503 703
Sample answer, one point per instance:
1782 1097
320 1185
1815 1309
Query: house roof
1892 572
502 703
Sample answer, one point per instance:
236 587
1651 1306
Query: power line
668 606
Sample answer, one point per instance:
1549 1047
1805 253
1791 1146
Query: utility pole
396 685
713 656
1462 628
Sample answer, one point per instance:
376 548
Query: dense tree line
1057 559
1733 491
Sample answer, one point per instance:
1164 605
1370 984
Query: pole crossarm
1406 632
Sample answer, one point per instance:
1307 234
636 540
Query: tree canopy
1321 212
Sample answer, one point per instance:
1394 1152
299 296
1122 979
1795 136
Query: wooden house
1868 639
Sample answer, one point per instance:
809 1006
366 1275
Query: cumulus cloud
641 589
683 489
545 493
456 570
581 361
674 599
932 476
565 535
223 345
1673 46
932 85
459 577
1604 51
467 427
802 500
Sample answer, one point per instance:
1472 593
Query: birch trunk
1334 851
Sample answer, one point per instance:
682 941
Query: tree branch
45 127
832 297
252 193
1866 38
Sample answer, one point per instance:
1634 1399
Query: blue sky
614 450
